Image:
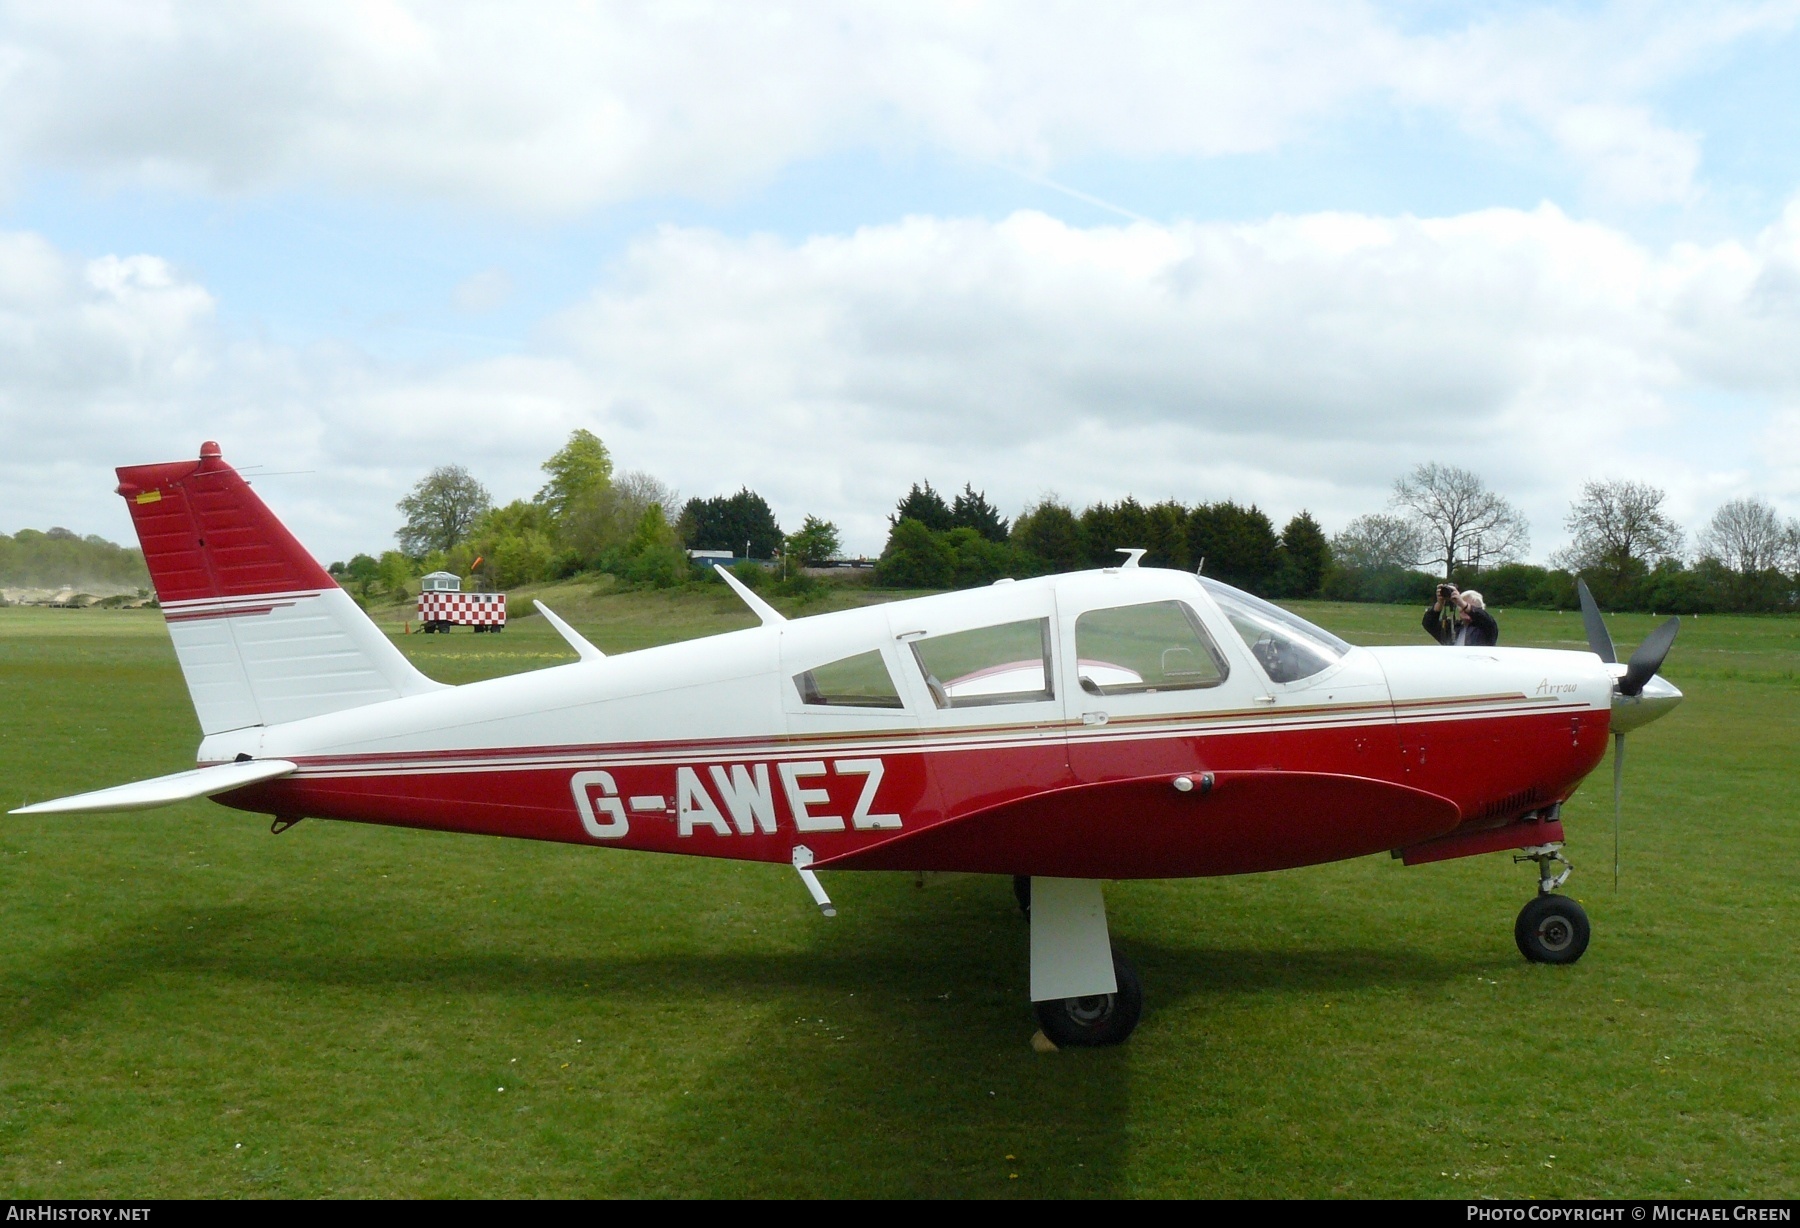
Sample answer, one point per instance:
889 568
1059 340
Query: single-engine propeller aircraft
1128 722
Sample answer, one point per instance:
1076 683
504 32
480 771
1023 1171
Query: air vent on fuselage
1511 806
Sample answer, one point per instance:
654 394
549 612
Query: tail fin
263 633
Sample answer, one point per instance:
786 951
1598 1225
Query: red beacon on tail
1128 722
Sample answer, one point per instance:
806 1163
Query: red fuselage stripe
1472 766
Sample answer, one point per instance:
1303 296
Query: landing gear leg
1551 929
1083 991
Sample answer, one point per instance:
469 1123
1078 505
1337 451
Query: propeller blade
1618 798
1649 657
1599 641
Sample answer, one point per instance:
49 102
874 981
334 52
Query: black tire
1103 1019
1022 893
1551 929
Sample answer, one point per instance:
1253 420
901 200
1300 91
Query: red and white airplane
1123 723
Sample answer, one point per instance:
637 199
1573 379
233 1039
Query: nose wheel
1551 929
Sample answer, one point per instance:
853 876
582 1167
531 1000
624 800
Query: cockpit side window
1287 646
1143 649
1004 664
861 681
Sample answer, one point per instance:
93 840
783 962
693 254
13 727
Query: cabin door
1149 681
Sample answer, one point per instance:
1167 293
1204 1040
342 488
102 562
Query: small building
443 605
714 558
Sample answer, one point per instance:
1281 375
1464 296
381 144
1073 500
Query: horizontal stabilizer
166 790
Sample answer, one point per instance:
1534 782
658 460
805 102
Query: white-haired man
1461 618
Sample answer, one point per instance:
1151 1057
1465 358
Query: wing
1144 827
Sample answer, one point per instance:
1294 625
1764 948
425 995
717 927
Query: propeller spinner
1640 694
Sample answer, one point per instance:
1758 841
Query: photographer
1461 618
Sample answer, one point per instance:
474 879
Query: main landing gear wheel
1100 1019
1551 929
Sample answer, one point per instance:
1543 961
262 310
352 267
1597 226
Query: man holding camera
1461 619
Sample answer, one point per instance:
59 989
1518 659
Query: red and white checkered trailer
442 611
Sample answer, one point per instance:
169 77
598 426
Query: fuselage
1121 723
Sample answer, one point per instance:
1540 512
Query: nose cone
1658 698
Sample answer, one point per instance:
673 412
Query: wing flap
167 790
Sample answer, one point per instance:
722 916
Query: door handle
1093 718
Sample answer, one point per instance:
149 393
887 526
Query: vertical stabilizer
263 633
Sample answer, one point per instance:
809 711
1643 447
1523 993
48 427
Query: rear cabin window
861 681
1007 664
1142 649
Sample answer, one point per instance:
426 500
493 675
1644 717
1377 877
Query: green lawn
189 1006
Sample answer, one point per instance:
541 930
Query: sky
1278 253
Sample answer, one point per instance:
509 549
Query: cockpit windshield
1287 647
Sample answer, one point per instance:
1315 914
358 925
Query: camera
1446 592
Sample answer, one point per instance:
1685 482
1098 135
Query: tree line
1441 522
586 518
1624 544
934 544
32 558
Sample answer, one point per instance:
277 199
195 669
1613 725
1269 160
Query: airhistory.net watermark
63 1213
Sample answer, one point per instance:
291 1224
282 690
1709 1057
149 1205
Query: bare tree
1459 519
608 515
1616 524
441 510
1374 541
1746 535
638 490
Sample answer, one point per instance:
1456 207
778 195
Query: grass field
189 1006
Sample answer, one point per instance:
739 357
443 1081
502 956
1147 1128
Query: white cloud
1578 80
1626 155
482 292
118 361
1295 362
553 108
1299 361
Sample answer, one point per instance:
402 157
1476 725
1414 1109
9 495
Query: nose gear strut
1551 929
1546 856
